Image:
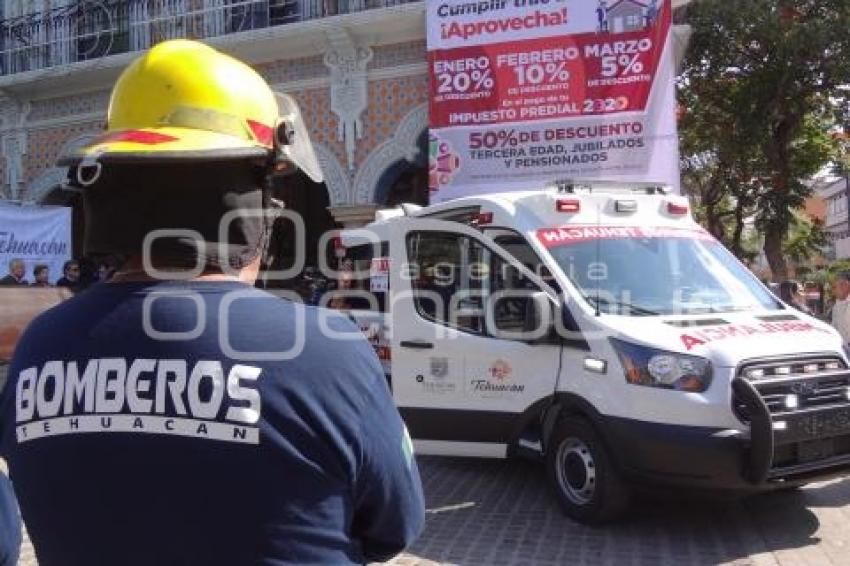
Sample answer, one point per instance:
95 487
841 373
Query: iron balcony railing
92 29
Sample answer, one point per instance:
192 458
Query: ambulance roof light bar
570 186
403 209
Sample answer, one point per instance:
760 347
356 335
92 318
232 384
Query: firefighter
176 414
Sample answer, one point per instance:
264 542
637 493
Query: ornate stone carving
13 111
349 97
337 180
401 146
353 215
13 141
45 182
14 148
52 177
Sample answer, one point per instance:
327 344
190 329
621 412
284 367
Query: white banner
35 234
525 93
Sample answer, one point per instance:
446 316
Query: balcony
91 30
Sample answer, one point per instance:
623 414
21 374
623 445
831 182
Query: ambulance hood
727 339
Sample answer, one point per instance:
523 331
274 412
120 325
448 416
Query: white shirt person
841 309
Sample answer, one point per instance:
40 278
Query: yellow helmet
184 100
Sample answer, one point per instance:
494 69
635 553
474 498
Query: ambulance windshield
643 272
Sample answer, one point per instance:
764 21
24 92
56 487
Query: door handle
416 344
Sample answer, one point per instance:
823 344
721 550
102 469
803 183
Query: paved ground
491 512
494 512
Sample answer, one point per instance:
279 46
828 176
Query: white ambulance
600 328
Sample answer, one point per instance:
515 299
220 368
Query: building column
353 215
13 143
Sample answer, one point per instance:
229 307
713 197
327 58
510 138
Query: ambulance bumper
685 456
807 447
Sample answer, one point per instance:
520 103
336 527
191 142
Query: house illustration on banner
626 15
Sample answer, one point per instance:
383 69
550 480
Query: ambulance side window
524 253
454 279
448 276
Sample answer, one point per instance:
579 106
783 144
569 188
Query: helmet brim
164 143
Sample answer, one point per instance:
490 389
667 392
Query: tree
763 84
804 239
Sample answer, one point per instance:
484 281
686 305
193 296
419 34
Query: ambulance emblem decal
500 370
439 367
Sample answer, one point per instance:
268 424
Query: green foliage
838 266
804 240
762 87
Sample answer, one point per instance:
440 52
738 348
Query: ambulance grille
791 385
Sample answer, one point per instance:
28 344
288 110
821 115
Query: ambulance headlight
658 368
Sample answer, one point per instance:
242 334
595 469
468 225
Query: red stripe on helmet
263 133
138 136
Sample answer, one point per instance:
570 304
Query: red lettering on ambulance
690 341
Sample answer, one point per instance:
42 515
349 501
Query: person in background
841 308
789 292
41 273
314 285
340 300
70 274
16 273
107 268
813 297
88 272
10 524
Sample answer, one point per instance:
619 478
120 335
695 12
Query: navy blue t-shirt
204 423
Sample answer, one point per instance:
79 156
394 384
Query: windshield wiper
634 309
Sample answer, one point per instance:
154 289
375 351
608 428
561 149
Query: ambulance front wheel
589 488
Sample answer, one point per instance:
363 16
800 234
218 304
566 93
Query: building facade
356 67
834 192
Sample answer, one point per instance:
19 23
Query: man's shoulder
289 303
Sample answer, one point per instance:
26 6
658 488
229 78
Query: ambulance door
460 386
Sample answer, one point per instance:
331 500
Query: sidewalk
498 512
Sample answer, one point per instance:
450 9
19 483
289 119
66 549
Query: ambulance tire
581 470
